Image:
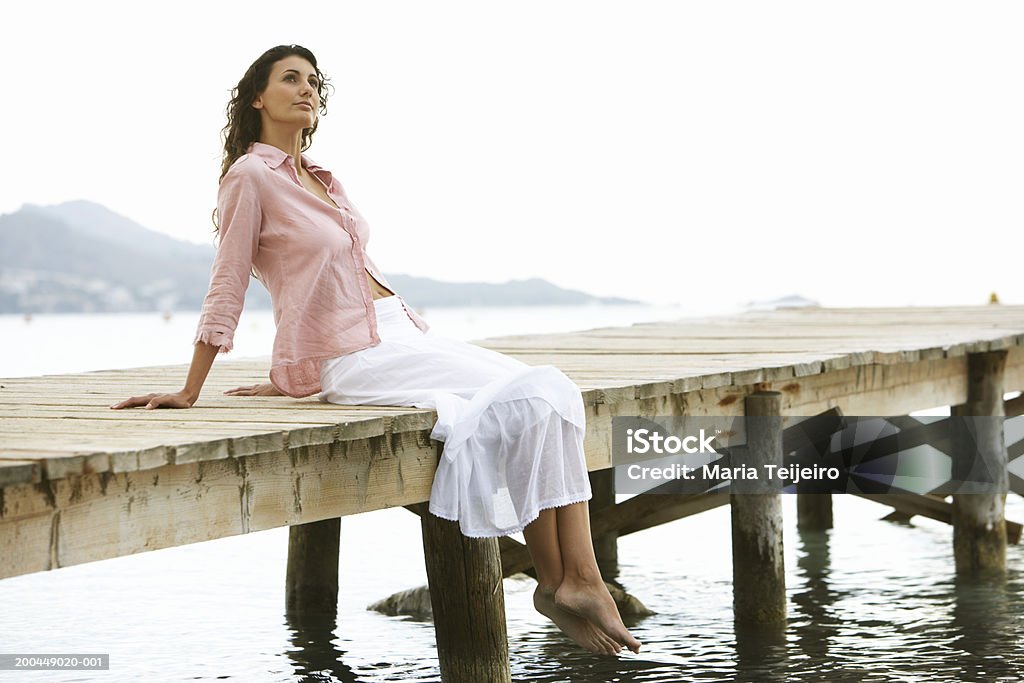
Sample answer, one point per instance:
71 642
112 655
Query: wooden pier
80 482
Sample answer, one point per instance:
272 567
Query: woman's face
291 95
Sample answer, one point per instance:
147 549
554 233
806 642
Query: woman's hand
255 390
176 400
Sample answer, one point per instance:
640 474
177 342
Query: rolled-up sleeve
240 217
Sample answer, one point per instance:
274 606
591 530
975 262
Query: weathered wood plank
19 472
86 483
87 517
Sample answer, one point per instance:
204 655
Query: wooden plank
94 516
19 472
617 375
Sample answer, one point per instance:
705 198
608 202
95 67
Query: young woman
513 434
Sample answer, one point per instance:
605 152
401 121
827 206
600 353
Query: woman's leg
542 541
582 590
569 581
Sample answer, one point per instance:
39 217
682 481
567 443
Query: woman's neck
288 142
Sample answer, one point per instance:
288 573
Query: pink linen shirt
311 257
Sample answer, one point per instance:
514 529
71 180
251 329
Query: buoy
993 298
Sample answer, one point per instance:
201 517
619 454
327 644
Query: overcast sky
707 153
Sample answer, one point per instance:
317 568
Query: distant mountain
100 223
81 257
425 292
788 301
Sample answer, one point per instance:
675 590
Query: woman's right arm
238 205
202 361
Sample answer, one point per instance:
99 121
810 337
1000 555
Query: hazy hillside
81 257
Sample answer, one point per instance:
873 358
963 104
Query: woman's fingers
179 400
134 402
168 401
254 390
151 401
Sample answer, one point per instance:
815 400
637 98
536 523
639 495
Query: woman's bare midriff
378 290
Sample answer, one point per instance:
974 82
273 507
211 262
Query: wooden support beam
932 507
311 581
1016 484
979 454
759 579
606 544
468 602
1014 407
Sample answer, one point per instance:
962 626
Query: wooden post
606 545
813 511
979 523
759 580
813 498
311 581
466 595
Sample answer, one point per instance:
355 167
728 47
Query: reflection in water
313 651
760 654
815 621
552 659
904 617
868 601
986 626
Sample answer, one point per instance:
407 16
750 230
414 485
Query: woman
513 434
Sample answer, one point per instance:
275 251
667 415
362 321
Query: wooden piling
813 498
759 581
466 596
311 580
813 511
606 544
979 523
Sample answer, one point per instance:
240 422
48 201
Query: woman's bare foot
581 631
592 601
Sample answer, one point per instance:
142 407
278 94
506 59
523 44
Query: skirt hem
556 503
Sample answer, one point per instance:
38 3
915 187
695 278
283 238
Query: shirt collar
274 157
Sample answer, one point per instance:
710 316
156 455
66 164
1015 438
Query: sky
702 153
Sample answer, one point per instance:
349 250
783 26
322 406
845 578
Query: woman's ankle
546 589
583 577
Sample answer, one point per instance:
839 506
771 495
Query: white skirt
513 433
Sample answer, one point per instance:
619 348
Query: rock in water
414 602
627 604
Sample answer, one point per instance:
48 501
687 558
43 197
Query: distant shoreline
482 305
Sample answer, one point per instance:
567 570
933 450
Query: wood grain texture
80 482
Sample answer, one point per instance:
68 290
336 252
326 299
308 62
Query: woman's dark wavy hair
243 126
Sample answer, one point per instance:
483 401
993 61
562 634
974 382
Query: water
868 600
